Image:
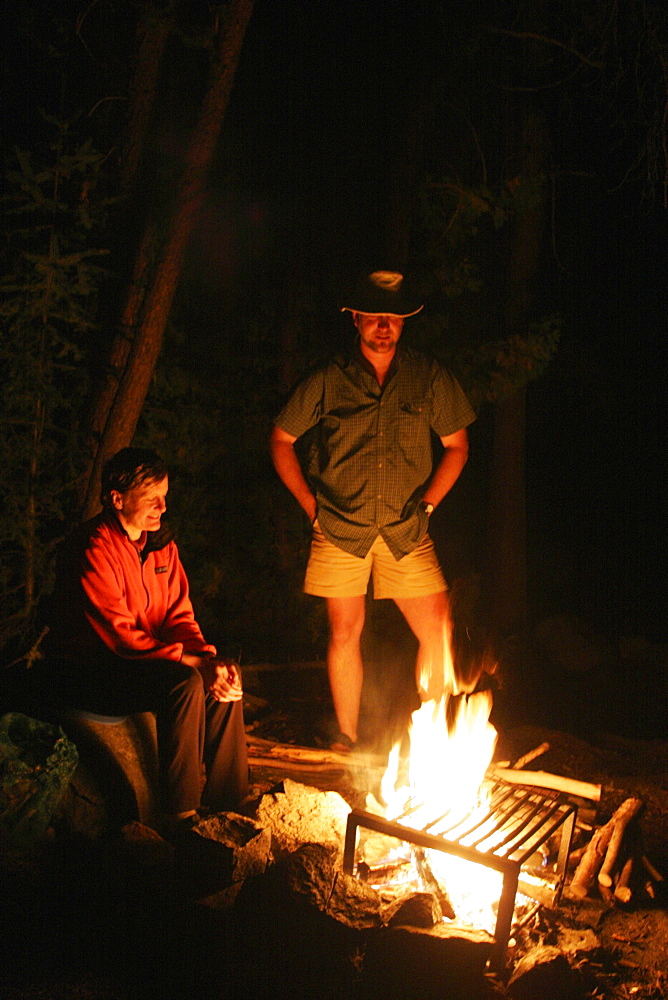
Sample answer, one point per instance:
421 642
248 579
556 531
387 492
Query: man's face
378 333
140 508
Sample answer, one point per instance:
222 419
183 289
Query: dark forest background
509 156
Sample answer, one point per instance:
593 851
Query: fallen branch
275 754
543 779
529 756
282 764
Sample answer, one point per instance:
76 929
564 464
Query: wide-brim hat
382 293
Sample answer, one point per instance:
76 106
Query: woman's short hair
128 468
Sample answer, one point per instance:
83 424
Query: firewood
530 755
591 861
651 870
597 850
654 876
623 890
287 764
606 894
273 754
430 881
575 856
543 779
626 812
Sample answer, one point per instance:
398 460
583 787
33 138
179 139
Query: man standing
123 639
370 487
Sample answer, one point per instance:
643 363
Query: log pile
614 861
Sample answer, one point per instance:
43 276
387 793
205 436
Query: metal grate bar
517 828
561 817
492 807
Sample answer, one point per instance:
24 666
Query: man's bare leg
429 620
344 659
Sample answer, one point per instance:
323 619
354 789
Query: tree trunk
117 361
152 34
507 511
147 341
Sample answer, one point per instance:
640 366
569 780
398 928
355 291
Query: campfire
444 825
487 843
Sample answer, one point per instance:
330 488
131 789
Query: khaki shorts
331 572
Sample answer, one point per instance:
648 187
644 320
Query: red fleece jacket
105 594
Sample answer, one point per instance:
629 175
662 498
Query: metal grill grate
518 818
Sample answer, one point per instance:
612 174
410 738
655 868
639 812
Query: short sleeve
304 408
451 409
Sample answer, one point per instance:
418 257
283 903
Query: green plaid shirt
369 454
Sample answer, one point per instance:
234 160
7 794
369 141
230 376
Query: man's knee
346 619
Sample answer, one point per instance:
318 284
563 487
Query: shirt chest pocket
413 420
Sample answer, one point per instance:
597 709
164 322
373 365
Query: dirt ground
631 959
87 922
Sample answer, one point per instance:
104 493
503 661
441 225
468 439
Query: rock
120 760
310 875
238 847
294 929
438 963
144 846
544 974
419 909
223 900
83 811
298 814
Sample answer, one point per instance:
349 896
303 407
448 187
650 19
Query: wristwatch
427 507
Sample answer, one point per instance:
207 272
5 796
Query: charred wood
431 883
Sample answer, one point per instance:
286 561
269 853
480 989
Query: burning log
430 881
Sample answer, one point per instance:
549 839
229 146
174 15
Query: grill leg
564 851
504 919
349 845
